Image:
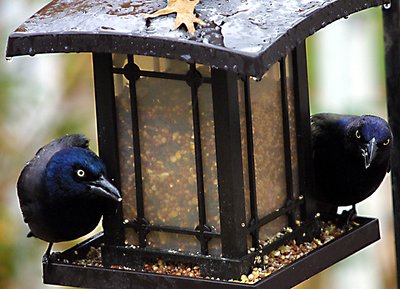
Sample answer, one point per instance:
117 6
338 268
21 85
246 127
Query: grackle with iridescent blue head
63 190
350 155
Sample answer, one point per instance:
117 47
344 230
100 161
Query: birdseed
264 265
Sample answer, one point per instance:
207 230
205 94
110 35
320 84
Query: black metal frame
229 164
303 129
235 259
107 140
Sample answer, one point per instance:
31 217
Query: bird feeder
206 134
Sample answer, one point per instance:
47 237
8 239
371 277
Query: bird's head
79 172
371 137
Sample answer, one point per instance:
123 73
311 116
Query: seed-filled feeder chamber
207 136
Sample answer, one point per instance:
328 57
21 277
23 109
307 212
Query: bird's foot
345 219
46 256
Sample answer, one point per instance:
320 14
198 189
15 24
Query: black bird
62 191
351 157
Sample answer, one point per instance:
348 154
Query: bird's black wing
325 127
30 187
320 126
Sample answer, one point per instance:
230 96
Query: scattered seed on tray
264 265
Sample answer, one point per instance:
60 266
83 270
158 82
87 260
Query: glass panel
205 70
207 132
131 237
167 149
125 146
170 241
161 64
292 125
214 247
269 230
119 60
167 152
249 241
269 154
243 133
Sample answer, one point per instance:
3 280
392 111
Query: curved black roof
246 36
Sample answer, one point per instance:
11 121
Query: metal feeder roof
245 36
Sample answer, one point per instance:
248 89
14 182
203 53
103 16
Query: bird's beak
369 152
103 188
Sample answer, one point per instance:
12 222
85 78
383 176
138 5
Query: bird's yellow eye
386 142
358 134
80 173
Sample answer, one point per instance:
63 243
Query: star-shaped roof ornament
184 10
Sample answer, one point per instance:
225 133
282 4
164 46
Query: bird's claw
345 219
46 259
47 255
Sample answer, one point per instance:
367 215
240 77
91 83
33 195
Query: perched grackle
350 155
62 191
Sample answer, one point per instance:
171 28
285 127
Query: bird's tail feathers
75 140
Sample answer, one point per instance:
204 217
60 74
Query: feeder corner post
391 21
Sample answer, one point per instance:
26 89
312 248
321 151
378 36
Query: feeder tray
57 271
